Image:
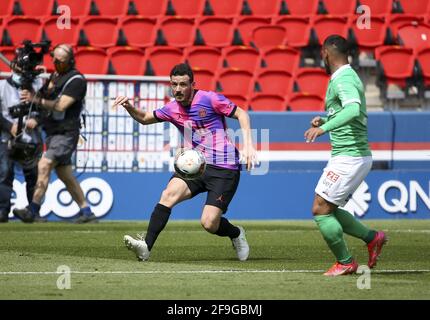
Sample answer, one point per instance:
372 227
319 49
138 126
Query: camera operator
62 96
21 140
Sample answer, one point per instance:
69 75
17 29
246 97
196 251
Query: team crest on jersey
202 113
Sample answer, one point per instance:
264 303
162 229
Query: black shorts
60 147
220 184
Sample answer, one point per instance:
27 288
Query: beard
327 67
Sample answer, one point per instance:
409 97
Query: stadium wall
398 187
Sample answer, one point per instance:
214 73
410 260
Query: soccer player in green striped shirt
350 162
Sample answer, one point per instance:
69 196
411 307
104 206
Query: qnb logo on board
396 197
358 205
98 193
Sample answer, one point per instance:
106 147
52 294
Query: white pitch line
193 272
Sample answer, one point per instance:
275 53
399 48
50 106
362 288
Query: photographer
21 141
62 97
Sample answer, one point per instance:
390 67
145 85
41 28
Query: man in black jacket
63 98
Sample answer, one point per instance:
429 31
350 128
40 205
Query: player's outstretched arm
248 153
140 116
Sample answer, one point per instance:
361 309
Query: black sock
226 229
158 221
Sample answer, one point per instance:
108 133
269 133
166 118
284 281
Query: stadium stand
9 53
78 8
241 57
147 8
423 58
205 79
92 60
312 80
246 26
35 8
138 31
126 60
99 32
234 81
156 60
176 32
205 58
67 35
234 37
281 58
225 8
241 101
269 36
17 29
267 102
274 82
302 101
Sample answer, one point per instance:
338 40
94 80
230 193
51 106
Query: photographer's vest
69 120
9 97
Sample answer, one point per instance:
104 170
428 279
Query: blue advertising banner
280 195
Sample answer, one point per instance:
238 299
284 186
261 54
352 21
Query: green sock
332 233
353 226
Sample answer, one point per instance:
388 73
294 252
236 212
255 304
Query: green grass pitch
286 262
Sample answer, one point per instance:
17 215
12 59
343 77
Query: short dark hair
338 43
182 69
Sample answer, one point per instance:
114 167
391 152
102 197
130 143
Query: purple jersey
204 124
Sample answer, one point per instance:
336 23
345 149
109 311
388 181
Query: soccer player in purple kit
203 114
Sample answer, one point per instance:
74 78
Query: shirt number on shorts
332 176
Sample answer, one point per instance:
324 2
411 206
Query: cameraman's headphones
69 50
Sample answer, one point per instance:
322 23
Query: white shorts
341 177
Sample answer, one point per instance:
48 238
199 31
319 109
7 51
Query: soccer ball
189 164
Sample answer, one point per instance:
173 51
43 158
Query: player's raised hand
249 157
122 101
316 122
312 133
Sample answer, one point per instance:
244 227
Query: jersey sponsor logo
332 176
202 113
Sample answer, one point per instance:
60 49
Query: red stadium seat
188 8
112 7
415 7
239 100
90 60
281 58
9 53
139 31
22 28
397 63
216 32
398 20
162 59
241 57
378 7
246 26
66 35
312 80
233 81
368 39
414 35
147 8
127 60
269 36
78 8
423 58
101 32
226 8
275 82
298 30
305 102
327 25
6 7
267 102
266 8
336 7
205 79
39 8
206 58
178 31
302 7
